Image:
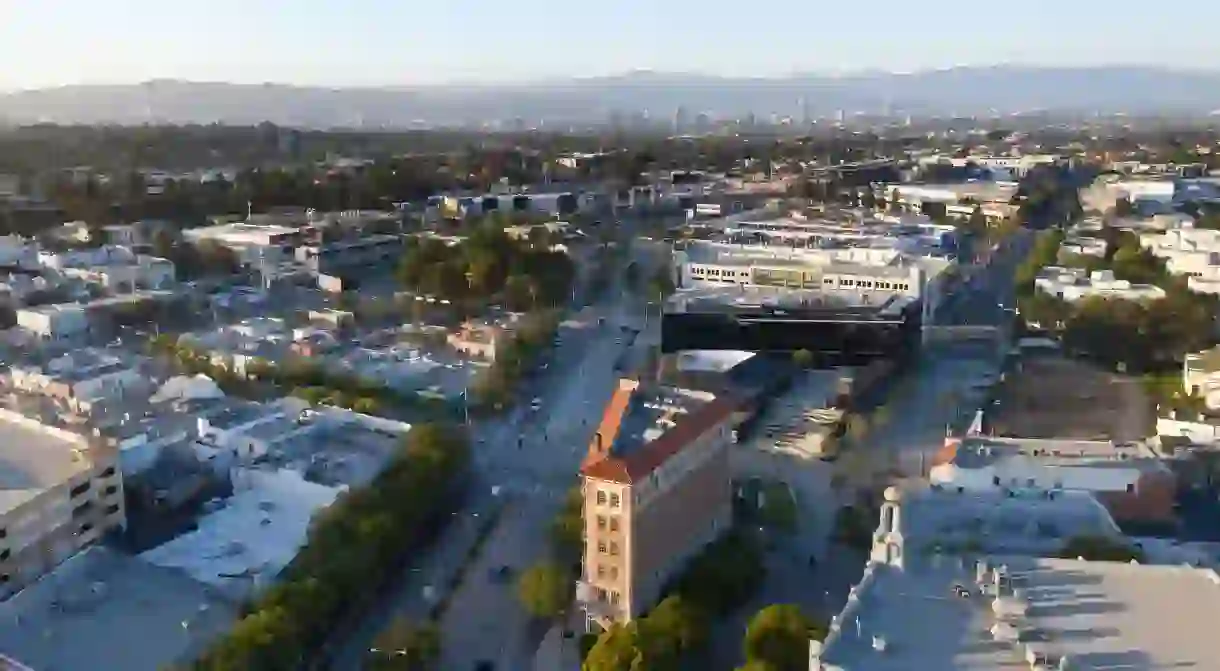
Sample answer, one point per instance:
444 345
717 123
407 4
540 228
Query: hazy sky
387 42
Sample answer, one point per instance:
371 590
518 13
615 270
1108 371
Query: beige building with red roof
657 489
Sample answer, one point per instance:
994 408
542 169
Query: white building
115 268
1073 284
54 322
58 493
253 243
1084 247
1193 252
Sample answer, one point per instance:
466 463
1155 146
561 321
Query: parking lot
1053 397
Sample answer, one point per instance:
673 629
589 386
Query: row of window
612 523
869 284
603 571
602 498
610 548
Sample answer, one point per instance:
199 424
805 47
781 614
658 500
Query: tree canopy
778 638
353 548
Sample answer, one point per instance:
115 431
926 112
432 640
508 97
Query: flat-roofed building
1006 613
252 242
59 492
1130 479
104 610
656 485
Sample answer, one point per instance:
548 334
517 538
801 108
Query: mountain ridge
959 90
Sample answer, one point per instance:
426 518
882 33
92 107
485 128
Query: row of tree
718 581
354 548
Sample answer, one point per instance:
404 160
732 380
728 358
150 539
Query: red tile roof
638 463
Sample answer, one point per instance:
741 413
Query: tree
545 590
406 646
803 358
615 650
778 636
672 630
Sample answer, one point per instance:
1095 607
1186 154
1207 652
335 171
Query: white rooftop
1100 615
257 532
33 460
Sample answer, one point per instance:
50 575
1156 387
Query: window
82 509
614 500
601 522
614 524
601 571
613 549
614 597
86 528
1130 487
601 498
601 547
108 472
110 491
614 573
112 509
79 489
5 554
995 480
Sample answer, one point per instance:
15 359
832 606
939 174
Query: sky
405 42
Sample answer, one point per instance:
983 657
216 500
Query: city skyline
314 43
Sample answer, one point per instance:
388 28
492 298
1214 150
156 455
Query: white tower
887 539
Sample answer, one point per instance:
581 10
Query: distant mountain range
960 91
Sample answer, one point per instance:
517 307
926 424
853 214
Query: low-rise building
1074 284
59 492
1201 376
115 268
105 610
656 484
480 340
1081 246
1005 612
339 256
54 322
80 378
1131 480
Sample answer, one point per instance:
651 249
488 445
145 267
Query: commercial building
656 486
1006 612
104 610
59 492
242 545
1074 284
339 256
850 328
253 243
1131 480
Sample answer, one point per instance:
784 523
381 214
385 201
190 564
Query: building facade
656 487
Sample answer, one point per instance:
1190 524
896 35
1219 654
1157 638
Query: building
254 243
1201 376
54 322
80 378
480 340
59 492
1011 612
1074 284
1131 480
1082 246
339 256
104 610
242 546
115 268
838 326
656 485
